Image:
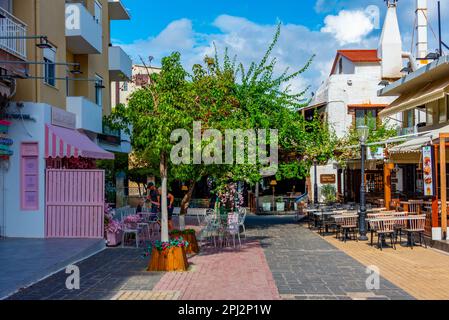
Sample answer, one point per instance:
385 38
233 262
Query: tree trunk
164 211
256 191
185 205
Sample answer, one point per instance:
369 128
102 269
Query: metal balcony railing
13 28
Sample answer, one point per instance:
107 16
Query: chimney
421 29
390 45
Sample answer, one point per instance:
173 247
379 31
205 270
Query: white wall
330 168
27 224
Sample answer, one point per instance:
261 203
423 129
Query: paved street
305 266
280 259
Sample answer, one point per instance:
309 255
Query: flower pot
280 206
193 243
172 259
266 206
114 238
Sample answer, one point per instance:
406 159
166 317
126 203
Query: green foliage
329 193
348 146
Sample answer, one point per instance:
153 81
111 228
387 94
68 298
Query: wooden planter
193 243
173 259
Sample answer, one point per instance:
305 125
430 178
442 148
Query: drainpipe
411 59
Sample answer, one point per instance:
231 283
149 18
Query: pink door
74 206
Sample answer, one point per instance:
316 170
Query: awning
407 101
62 142
416 144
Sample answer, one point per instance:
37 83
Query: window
125 86
409 119
7 5
99 90
364 117
49 66
29 172
98 12
442 110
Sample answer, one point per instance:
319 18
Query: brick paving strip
228 274
420 272
307 267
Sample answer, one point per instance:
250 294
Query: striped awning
62 142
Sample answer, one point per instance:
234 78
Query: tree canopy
223 95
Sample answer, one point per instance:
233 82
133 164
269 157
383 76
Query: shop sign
328 179
428 171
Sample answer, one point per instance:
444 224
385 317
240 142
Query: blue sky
246 27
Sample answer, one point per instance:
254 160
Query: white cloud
249 41
348 26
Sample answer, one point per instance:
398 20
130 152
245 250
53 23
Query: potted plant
266 206
280 204
113 229
329 193
168 256
190 236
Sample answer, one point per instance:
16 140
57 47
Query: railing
406 131
12 27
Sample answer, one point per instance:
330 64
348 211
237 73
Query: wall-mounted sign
62 118
428 171
328 179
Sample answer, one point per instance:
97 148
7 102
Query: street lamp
273 184
363 132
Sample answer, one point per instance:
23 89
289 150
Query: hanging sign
428 171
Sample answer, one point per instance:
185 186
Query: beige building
121 90
56 69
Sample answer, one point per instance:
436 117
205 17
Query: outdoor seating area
222 230
384 226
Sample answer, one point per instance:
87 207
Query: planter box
114 239
280 206
173 259
266 206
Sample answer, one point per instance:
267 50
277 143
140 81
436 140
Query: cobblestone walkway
280 260
305 266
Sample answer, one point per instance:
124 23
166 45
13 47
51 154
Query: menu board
428 171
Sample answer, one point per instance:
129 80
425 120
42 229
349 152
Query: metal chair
241 220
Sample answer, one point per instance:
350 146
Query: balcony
120 65
117 10
89 116
83 33
12 27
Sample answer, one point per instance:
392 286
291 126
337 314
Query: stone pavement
102 277
420 272
229 274
305 266
25 261
280 259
